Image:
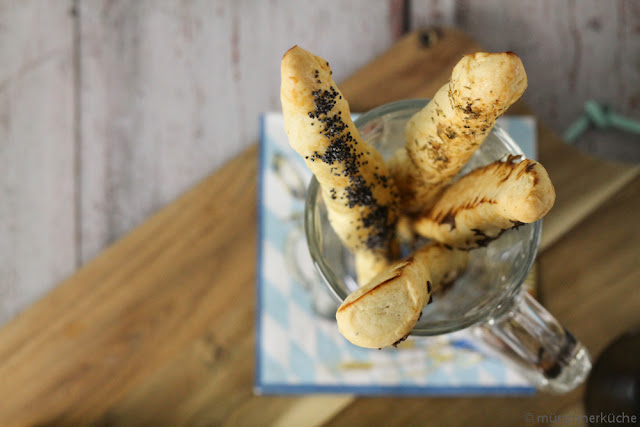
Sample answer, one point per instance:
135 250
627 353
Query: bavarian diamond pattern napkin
298 346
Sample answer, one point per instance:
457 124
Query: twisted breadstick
360 196
488 200
385 311
443 136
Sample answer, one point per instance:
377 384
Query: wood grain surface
138 306
159 328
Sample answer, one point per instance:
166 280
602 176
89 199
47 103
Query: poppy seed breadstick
443 136
488 200
384 312
360 196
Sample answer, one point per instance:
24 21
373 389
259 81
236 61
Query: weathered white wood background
109 109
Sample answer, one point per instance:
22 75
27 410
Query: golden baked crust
369 264
443 136
365 198
482 204
385 311
359 194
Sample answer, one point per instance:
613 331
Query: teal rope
602 118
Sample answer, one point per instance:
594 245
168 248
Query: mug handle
528 336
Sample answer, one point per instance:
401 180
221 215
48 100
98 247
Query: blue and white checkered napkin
299 349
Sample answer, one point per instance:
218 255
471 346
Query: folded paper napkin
298 346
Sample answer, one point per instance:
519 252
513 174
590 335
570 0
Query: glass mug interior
494 274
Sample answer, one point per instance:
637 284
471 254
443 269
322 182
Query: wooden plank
171 91
609 243
573 52
37 178
581 187
107 327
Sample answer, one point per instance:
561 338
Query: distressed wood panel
37 179
170 91
427 13
573 52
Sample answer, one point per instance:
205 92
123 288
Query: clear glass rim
483 314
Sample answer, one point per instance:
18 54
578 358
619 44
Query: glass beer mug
488 297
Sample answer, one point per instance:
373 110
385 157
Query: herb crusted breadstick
443 136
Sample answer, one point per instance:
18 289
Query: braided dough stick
359 194
482 204
385 311
443 136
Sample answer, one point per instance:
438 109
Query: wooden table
159 328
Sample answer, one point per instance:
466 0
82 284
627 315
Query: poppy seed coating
341 150
358 192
